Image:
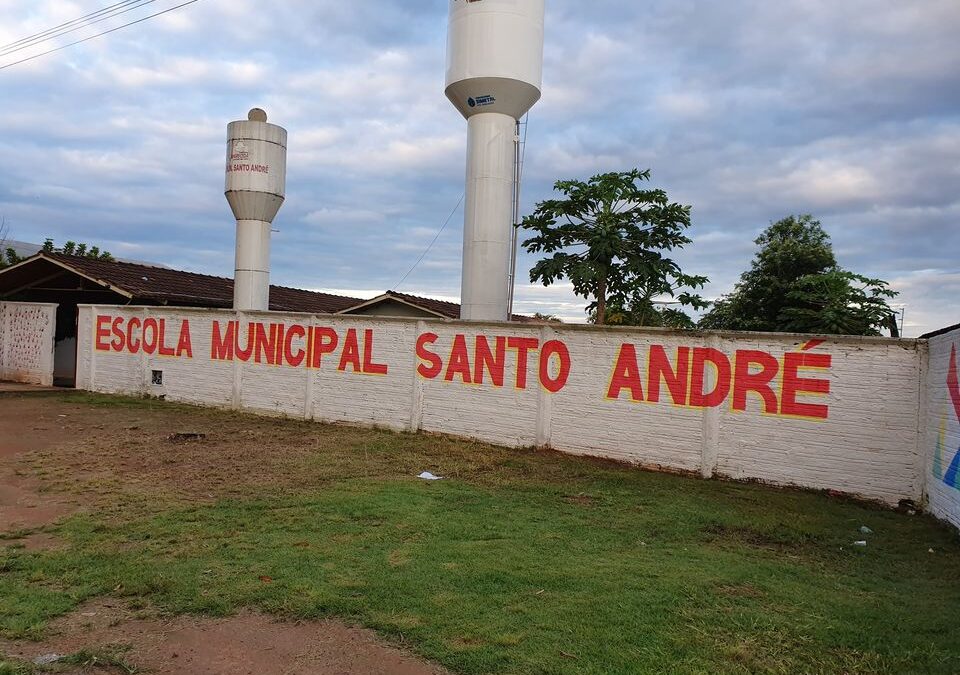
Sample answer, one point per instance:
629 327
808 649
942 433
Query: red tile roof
144 284
159 285
443 308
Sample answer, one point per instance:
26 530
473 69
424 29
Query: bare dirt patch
246 643
58 457
29 425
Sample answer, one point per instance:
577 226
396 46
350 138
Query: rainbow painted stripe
950 476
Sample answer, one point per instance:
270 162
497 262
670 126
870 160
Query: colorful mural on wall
950 476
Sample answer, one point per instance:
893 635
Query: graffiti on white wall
946 461
26 342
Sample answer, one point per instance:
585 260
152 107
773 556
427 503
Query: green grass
523 562
90 660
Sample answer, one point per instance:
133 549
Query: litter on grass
426 475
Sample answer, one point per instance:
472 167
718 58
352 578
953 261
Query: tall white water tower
255 188
494 76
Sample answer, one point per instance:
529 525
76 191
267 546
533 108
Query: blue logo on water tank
481 101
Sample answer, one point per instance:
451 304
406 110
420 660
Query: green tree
608 236
840 302
794 284
73 248
646 313
8 256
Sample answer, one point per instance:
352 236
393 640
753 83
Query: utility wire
48 35
69 23
92 37
446 222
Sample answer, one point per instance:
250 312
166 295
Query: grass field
516 562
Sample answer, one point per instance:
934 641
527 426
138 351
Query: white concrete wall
943 427
27 332
840 413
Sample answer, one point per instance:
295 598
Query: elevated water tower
255 188
494 76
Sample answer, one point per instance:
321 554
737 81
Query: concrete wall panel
27 332
834 413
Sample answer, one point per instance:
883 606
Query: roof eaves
73 270
396 298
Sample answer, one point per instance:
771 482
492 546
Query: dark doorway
65 347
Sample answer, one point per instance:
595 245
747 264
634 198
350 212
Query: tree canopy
81 249
609 236
794 284
646 313
9 255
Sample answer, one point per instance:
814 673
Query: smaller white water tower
494 73
255 188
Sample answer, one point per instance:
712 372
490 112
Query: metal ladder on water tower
520 145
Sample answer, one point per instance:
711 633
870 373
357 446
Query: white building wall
873 418
942 438
27 332
859 435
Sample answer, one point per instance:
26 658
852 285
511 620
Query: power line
445 223
69 23
92 37
66 29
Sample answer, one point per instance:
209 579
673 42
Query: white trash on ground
426 475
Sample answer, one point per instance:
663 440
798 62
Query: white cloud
747 110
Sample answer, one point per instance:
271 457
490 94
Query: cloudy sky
748 110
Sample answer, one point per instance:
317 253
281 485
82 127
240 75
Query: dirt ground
53 456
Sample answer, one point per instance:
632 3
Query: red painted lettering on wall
162 340
133 336
296 346
431 365
523 346
686 376
222 344
294 358
244 353
325 341
626 375
102 333
720 365
369 367
350 356
551 349
459 361
703 377
119 341
473 362
133 342
490 361
746 379
793 384
675 375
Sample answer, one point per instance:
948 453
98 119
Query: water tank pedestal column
488 216
251 277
